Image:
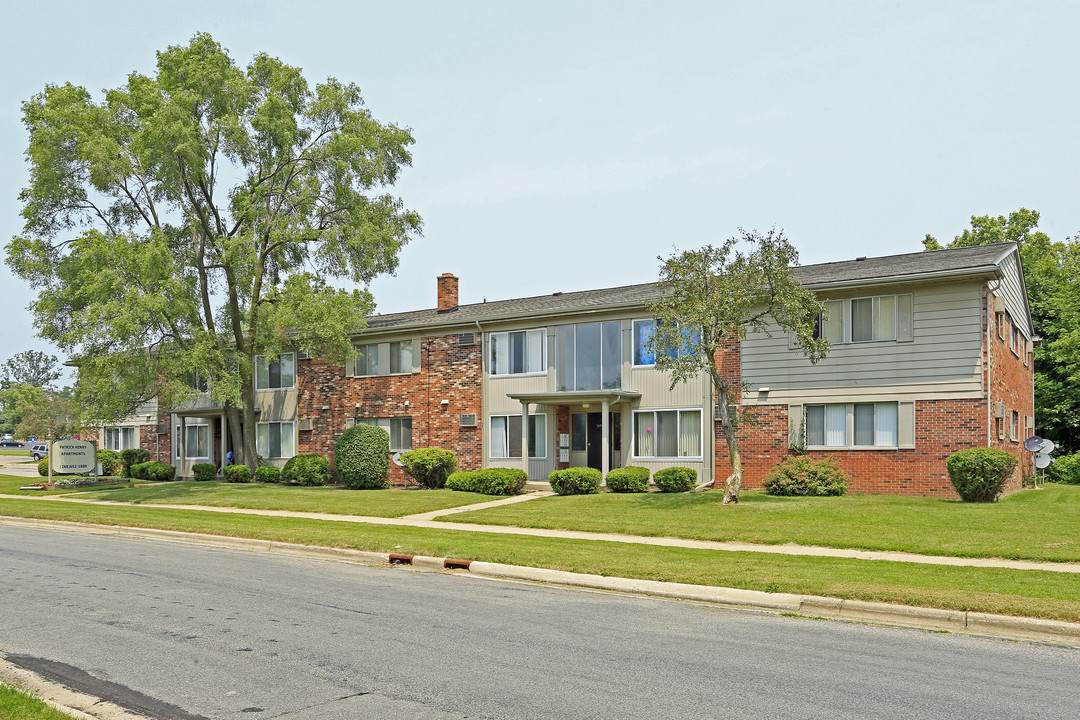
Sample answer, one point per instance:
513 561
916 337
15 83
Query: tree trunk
247 392
734 480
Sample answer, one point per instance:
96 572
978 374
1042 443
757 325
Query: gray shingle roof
958 261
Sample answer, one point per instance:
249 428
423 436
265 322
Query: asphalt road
226 634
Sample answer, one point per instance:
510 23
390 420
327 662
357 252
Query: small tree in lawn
710 296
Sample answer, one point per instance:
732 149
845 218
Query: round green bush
1065 469
237 473
430 467
109 460
979 474
492 481
362 457
268 474
306 469
204 471
629 479
576 481
802 476
43 470
132 456
675 479
154 471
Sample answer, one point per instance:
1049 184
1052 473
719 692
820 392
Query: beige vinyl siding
943 358
1011 291
495 400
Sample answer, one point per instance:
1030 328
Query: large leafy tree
1051 270
713 296
195 219
30 367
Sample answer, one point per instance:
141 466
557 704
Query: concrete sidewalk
429 520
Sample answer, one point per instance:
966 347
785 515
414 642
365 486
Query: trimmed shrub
1065 469
132 456
204 471
429 466
802 476
979 474
362 457
154 471
109 460
43 470
675 479
306 469
268 474
576 481
629 479
237 473
492 481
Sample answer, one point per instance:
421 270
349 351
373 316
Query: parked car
9 443
39 451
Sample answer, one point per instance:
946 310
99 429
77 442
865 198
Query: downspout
990 325
483 395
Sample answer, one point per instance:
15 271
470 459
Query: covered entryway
599 427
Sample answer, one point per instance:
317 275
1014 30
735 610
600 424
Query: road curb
76 704
974 623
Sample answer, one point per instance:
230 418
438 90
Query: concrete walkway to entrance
430 520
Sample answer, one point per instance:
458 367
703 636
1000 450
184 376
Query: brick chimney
448 287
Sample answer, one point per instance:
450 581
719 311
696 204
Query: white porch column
224 438
605 440
525 437
183 448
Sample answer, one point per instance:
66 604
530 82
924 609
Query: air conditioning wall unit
467 420
467 339
999 409
304 424
162 429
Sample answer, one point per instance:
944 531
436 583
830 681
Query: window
274 440
367 360
274 375
643 333
197 442
853 425
667 433
831 323
1014 426
506 436
119 438
873 318
394 358
999 323
869 319
517 353
589 356
399 430
1015 339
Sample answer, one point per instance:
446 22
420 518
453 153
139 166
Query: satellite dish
397 459
1033 443
1048 446
1042 461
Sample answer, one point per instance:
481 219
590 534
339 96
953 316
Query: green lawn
262 496
16 452
17 704
1028 593
1039 524
10 484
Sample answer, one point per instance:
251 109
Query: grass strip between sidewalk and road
1030 593
17 703
1041 524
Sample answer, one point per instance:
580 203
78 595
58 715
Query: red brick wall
941 428
1009 377
449 371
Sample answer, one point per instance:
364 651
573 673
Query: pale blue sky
564 145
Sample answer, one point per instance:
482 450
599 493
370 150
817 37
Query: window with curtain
119 438
275 439
667 433
873 318
197 443
873 425
399 430
517 353
280 373
644 331
506 436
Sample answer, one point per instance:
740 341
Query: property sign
72 456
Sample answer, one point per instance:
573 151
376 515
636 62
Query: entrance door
588 433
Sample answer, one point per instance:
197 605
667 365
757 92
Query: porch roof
575 397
